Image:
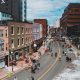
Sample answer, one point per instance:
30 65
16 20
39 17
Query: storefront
2 61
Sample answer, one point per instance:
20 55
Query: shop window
2 63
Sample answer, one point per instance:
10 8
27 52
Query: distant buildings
57 24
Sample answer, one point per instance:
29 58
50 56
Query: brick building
17 37
71 16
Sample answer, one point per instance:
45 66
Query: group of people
36 66
68 59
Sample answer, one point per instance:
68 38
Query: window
22 40
12 43
18 42
26 39
1 33
22 30
76 10
6 33
3 14
26 30
6 46
18 30
12 30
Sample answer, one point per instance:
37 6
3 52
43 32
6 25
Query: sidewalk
76 51
22 64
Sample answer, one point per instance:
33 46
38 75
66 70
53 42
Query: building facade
16 8
3 44
18 40
71 16
37 35
37 31
44 26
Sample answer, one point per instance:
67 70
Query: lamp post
12 61
11 53
35 46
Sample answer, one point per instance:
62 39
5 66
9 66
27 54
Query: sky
47 9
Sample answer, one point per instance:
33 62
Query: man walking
15 78
56 54
51 54
32 78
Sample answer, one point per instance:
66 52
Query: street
50 66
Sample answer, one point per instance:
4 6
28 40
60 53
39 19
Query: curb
13 73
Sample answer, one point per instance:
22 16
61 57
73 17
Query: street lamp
11 53
35 46
12 61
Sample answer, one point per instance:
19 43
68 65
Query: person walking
38 65
32 78
15 78
51 54
56 54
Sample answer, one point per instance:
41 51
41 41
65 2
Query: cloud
50 9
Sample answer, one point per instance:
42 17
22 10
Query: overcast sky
49 9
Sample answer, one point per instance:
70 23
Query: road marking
40 78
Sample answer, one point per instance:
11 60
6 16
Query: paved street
47 70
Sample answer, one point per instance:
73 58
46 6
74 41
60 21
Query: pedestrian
67 59
65 54
32 78
39 53
33 69
15 78
51 54
59 58
70 59
56 54
38 65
